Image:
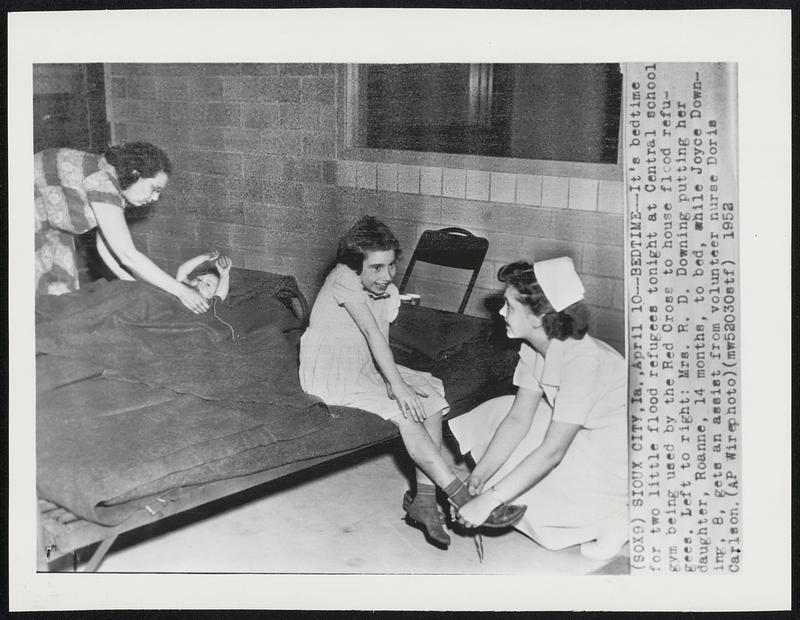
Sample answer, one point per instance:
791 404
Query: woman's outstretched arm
540 462
109 260
112 223
512 429
525 475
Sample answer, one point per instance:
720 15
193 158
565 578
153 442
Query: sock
457 493
425 492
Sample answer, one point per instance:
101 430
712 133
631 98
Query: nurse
560 444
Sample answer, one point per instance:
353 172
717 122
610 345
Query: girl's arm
112 223
407 398
525 475
512 429
186 268
109 259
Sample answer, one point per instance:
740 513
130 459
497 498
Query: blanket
135 394
139 333
103 444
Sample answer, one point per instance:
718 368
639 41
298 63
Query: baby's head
205 280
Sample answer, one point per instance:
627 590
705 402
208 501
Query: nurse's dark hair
571 322
137 160
367 235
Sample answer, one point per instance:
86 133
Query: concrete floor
347 520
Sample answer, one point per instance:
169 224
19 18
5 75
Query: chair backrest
450 247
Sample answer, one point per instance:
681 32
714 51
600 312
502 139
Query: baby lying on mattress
210 275
210 280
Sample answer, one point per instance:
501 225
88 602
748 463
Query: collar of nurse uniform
553 365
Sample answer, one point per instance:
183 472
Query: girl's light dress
583 382
336 363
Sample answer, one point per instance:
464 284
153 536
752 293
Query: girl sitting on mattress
345 359
560 445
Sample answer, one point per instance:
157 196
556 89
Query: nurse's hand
474 513
475 484
193 300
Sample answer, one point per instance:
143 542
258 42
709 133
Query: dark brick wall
253 151
256 175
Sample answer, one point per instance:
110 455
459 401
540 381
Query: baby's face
205 284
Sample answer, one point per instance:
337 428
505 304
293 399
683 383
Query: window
559 112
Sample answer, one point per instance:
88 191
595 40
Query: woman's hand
407 398
212 255
224 264
474 513
475 484
192 299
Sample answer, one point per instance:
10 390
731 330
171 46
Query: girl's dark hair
135 160
367 235
571 322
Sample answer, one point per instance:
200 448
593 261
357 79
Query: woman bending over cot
75 192
345 359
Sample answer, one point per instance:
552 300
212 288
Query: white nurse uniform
583 382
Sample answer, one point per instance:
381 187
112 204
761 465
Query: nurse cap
559 281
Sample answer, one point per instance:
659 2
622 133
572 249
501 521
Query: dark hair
367 235
204 269
571 322
135 160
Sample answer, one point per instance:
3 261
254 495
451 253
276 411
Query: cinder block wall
256 175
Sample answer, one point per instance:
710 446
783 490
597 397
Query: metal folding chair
450 247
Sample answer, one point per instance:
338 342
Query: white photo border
759 41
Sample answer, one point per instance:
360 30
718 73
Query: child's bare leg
423 443
433 424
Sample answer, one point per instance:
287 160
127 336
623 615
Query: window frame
347 78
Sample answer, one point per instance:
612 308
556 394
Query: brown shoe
428 517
